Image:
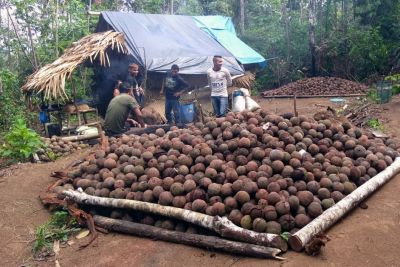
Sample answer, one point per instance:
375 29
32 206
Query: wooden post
298 240
78 114
222 226
208 242
295 106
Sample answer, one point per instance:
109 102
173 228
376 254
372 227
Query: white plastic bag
245 91
251 104
238 101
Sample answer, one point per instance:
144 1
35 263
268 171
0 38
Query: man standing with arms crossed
219 79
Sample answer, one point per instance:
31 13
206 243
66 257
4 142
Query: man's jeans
220 105
140 100
172 110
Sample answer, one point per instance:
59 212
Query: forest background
353 39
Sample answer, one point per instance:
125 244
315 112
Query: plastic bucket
187 113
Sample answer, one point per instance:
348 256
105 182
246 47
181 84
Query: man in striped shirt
219 79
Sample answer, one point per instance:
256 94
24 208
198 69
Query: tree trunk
335 4
311 33
8 42
346 43
33 49
222 226
241 12
285 21
208 242
56 29
205 7
18 38
327 13
298 240
171 7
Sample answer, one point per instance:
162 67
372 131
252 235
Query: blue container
237 93
187 113
43 117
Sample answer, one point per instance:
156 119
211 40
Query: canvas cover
223 31
158 41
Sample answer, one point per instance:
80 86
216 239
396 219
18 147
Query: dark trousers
220 105
111 133
172 110
139 100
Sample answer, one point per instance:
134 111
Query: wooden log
222 226
298 240
80 137
208 242
152 129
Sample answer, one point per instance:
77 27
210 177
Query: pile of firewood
361 114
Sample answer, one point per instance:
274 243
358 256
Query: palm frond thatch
50 79
244 81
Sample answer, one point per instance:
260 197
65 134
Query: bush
395 79
20 143
11 103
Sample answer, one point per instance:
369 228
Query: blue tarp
223 31
157 41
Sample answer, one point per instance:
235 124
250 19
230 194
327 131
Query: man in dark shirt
173 86
116 120
135 81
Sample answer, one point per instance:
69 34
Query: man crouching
116 121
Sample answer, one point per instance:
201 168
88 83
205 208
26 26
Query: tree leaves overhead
353 39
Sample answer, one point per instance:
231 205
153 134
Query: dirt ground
366 237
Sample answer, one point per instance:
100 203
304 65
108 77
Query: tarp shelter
223 31
158 41
155 42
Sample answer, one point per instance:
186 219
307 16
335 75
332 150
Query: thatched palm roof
50 79
246 81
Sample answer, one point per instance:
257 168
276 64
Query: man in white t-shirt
219 79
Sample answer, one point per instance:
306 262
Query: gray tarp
158 41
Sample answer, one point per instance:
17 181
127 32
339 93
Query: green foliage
372 95
285 236
395 79
354 39
375 124
368 52
11 104
59 227
20 143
